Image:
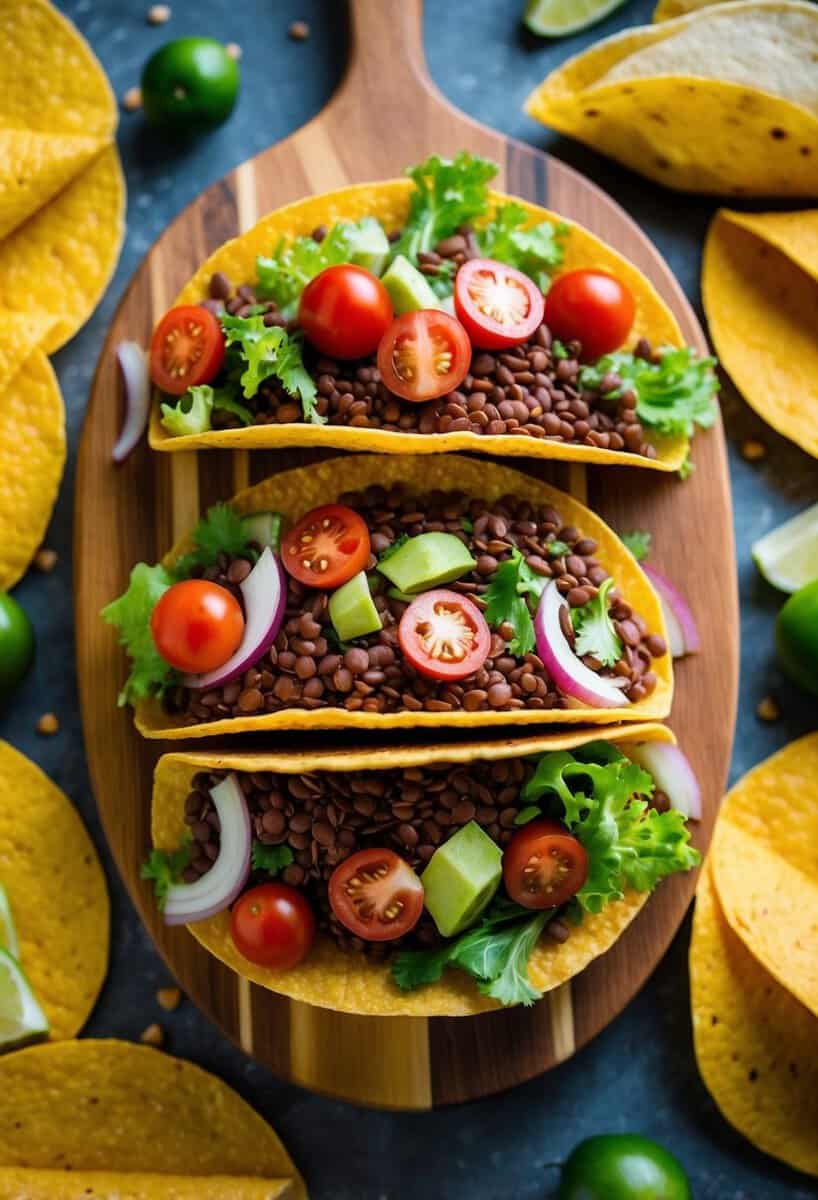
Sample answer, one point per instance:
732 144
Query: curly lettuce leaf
283 275
672 396
131 615
638 541
594 629
267 350
449 192
191 413
535 251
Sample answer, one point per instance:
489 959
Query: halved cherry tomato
273 925
376 895
497 305
196 625
544 865
327 547
592 306
424 355
444 635
187 348
345 311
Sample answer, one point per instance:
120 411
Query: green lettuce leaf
191 413
449 192
673 395
267 351
131 615
594 629
283 275
638 542
535 251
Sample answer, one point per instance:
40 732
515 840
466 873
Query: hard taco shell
331 978
293 493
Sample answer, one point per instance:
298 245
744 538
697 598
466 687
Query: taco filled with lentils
423 315
426 881
402 592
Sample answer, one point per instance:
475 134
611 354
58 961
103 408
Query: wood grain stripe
561 1018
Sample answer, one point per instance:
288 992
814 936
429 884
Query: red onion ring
133 363
672 774
218 888
569 673
683 636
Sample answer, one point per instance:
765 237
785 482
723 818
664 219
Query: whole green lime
796 636
16 645
190 84
622 1166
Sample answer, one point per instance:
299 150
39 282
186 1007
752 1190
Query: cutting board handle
385 63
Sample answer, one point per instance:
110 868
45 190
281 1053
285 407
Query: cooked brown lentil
305 669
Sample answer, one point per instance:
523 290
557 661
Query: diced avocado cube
263 528
408 289
368 245
462 876
351 609
427 561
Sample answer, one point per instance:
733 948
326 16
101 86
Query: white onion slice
569 673
672 774
133 363
218 888
683 634
265 596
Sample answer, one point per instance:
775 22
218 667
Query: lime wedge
8 933
787 557
21 1018
556 18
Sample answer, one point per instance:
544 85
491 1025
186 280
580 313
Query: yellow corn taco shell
722 100
389 202
27 1183
760 292
667 9
331 978
755 1044
764 862
35 167
32 441
108 1106
293 493
55 885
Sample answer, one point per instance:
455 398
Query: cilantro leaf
393 548
687 468
271 859
557 549
535 251
131 615
448 193
283 275
165 868
221 531
672 396
638 542
558 350
269 350
506 601
594 629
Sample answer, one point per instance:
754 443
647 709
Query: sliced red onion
133 363
569 673
672 774
218 888
265 594
683 635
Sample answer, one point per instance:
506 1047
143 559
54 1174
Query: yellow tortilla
765 866
293 493
755 1044
109 1106
330 978
667 9
760 292
35 167
721 100
389 202
27 1183
56 888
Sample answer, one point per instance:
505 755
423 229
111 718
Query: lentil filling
531 390
305 668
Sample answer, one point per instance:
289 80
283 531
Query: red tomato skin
196 625
414 328
187 321
405 884
272 925
548 837
345 311
485 332
593 307
348 554
411 642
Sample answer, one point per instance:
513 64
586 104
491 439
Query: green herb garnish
271 859
594 629
507 600
638 542
673 395
269 351
130 613
165 868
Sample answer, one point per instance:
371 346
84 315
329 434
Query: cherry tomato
273 925
497 305
327 547
444 635
376 895
187 348
197 625
544 865
345 311
592 306
424 355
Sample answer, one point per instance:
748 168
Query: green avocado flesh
427 561
351 609
408 289
369 245
461 879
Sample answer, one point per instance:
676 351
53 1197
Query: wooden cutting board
386 114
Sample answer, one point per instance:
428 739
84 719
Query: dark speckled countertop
640 1074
